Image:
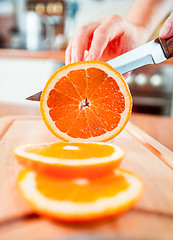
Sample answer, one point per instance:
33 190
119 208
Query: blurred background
33 38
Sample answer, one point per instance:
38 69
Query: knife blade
35 97
153 52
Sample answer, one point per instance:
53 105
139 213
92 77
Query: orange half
86 101
68 160
79 200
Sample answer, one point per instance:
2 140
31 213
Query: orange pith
69 160
87 101
78 200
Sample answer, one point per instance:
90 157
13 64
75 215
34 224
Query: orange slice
78 200
86 101
67 160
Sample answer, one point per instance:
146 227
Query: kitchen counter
45 54
159 127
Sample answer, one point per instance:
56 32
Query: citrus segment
80 127
108 118
78 79
81 199
86 85
114 102
65 86
109 86
95 77
68 160
65 123
95 124
62 112
56 99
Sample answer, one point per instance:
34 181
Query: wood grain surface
159 127
151 218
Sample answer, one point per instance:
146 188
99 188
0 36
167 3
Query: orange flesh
81 190
86 103
72 150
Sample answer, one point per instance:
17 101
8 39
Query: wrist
142 29
138 32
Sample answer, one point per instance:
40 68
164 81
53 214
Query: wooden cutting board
151 218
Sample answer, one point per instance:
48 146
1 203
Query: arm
148 14
112 36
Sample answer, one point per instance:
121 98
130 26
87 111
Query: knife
153 52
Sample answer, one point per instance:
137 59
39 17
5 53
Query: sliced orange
68 160
78 200
86 101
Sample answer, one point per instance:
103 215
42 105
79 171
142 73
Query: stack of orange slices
76 181
80 180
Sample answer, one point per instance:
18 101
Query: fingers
78 45
98 44
99 33
105 32
85 54
68 53
167 28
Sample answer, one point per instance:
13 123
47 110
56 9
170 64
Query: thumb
167 28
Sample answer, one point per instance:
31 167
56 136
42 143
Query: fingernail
89 57
67 61
73 60
165 30
85 54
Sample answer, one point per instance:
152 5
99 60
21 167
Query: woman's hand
104 39
112 36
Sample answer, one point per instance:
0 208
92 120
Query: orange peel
86 102
80 200
69 160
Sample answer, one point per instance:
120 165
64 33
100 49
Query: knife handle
167 46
